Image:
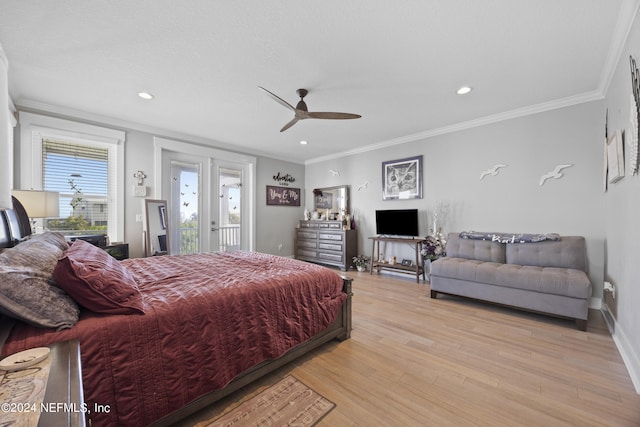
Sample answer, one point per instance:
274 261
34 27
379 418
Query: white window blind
80 173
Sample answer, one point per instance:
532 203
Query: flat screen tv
397 222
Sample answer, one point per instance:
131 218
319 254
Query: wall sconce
39 204
140 190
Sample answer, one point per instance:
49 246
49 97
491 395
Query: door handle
214 229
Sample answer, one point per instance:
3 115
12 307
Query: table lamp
39 204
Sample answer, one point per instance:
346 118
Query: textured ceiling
398 64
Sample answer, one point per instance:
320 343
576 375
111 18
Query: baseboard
595 303
629 356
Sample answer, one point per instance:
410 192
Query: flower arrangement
433 247
360 262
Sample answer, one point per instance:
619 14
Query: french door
209 193
230 229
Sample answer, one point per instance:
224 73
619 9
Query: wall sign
285 179
282 196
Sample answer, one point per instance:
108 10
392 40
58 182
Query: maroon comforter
208 318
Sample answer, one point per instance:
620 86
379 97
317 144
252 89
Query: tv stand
379 264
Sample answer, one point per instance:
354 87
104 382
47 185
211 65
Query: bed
163 337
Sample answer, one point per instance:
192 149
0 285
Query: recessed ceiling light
303 142
145 95
463 90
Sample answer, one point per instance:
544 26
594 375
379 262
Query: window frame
35 127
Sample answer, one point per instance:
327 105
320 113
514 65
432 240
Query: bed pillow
32 249
97 281
26 289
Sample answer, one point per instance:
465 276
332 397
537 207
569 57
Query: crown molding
494 118
70 113
627 15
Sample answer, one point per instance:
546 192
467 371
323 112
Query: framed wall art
282 196
402 179
615 157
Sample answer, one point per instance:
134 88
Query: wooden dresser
325 242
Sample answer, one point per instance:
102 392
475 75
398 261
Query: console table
379 264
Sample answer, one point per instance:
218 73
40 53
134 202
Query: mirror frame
339 191
156 219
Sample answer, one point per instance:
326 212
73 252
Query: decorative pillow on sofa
26 291
97 281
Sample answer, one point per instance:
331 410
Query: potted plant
360 262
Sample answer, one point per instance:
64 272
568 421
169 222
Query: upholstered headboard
14 226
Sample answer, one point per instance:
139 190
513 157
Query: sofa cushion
551 280
568 252
481 250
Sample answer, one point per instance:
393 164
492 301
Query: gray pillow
27 291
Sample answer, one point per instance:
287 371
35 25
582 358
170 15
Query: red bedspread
208 317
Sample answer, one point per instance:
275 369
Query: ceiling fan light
464 90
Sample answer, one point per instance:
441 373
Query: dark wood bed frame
16 226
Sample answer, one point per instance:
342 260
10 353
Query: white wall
276 224
512 201
621 223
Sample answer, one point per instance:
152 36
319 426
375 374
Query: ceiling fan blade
288 125
337 116
277 99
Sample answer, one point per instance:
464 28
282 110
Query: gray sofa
548 276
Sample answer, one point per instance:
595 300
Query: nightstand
119 251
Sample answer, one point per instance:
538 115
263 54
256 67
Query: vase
427 269
361 268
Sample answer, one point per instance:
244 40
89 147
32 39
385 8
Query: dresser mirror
331 200
156 227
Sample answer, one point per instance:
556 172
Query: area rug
286 403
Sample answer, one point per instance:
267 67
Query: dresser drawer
307 253
330 256
307 235
330 246
333 225
307 244
330 236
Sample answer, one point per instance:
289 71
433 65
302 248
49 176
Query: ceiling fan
301 111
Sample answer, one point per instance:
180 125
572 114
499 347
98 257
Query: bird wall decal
556 173
492 171
334 172
363 185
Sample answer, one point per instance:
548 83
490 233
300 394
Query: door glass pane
185 199
230 209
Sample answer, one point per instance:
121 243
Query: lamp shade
39 204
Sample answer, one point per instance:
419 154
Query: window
80 173
85 163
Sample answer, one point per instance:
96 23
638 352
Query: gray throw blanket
509 237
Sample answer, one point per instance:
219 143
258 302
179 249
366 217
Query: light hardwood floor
416 361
